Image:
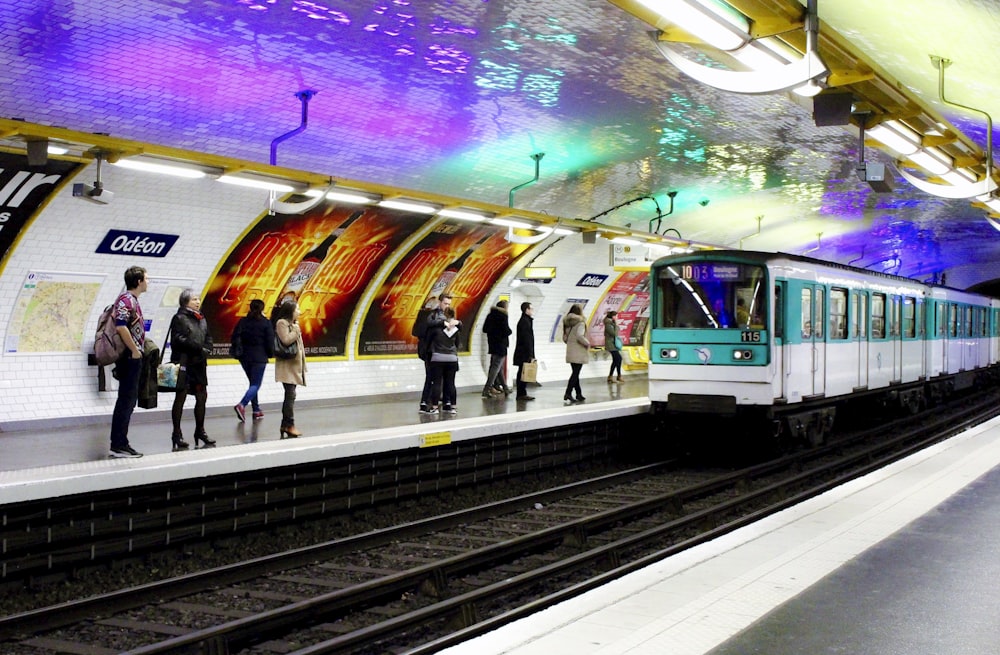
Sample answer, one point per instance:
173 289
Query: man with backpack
132 330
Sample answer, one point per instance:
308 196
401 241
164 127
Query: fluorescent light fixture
564 231
255 183
959 176
509 222
408 206
896 136
538 272
463 215
176 170
932 160
715 23
56 150
346 197
625 241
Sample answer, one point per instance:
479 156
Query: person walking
497 330
524 347
253 345
190 345
577 351
132 329
611 341
443 343
291 373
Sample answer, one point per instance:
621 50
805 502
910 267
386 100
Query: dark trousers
616 363
522 386
425 394
288 406
495 378
255 375
443 383
128 393
574 381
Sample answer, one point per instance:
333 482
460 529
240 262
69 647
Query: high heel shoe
568 398
579 399
290 432
178 441
203 438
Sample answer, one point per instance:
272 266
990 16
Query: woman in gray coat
289 372
577 351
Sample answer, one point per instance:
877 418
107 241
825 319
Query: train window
982 322
779 313
878 316
807 311
854 315
952 320
894 316
838 313
941 321
968 321
818 313
921 318
863 317
712 295
909 318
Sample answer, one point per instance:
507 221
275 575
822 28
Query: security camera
95 193
875 175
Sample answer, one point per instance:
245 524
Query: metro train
788 340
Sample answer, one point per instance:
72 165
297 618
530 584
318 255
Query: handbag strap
166 340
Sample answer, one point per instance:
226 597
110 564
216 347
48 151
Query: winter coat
444 348
497 329
575 336
524 348
256 338
190 342
610 334
290 371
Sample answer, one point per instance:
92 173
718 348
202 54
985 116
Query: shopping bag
167 375
529 371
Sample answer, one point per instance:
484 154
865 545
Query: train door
814 334
779 340
859 333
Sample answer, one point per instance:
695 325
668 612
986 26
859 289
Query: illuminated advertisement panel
461 258
324 258
629 296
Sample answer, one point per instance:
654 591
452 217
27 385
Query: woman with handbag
289 362
613 344
190 345
577 351
252 346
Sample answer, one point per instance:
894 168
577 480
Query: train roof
762 257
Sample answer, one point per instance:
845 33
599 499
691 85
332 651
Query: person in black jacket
253 345
497 329
443 341
190 344
524 347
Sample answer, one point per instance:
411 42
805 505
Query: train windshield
712 295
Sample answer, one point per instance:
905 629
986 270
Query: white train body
791 336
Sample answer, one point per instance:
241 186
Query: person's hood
572 319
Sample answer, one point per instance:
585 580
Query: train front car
711 343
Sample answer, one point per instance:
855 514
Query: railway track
422 586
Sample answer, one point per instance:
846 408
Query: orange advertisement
463 259
323 258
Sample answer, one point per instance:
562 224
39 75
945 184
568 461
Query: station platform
904 560
70 456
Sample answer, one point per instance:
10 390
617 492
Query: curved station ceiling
469 98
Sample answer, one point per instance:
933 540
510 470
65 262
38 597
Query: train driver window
838 313
707 294
878 316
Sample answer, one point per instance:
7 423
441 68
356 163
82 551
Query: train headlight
668 353
743 355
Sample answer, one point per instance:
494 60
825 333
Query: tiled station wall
210 217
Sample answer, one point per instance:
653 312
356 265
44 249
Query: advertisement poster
324 259
51 311
461 258
23 190
629 296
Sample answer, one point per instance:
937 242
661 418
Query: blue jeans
255 374
128 395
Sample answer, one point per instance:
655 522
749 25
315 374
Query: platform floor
73 442
903 561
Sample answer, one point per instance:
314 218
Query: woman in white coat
289 372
